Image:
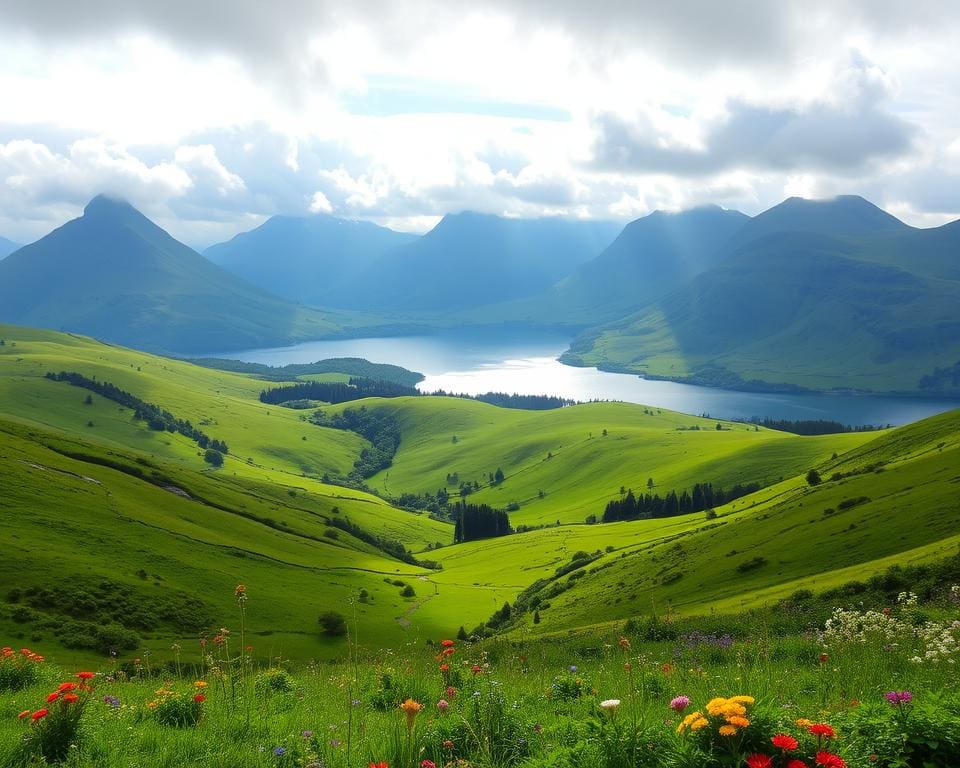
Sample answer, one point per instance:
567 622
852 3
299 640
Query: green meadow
94 495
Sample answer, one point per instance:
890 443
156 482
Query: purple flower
680 703
334 743
279 751
896 698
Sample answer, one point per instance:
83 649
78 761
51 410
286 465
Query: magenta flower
442 705
680 703
896 698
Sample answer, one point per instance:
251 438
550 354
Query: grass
141 508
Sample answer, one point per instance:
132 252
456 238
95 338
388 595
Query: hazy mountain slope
313 259
802 309
650 257
114 274
7 247
471 259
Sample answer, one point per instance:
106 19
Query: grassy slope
586 469
912 514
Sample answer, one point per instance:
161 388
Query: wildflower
679 703
797 764
448 744
759 761
804 723
896 698
411 708
23 714
427 764
443 705
307 734
444 667
199 698
71 698
240 591
610 706
666 668
573 667
278 751
624 643
829 760
66 687
85 675
199 683
53 697
476 669
727 730
824 658
785 742
738 721
821 729
381 764
40 713
446 643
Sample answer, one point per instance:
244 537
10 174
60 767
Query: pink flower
443 705
680 703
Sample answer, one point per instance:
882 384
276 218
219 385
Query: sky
210 116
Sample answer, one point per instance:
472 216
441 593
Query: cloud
320 204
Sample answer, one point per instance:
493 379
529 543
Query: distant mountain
843 215
472 259
7 247
313 259
651 257
114 274
845 296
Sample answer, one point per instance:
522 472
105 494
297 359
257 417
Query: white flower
610 705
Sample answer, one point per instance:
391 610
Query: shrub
18 670
334 624
178 710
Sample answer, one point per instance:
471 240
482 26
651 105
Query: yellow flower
743 699
411 708
698 724
152 705
727 730
740 722
200 684
715 706
732 709
803 722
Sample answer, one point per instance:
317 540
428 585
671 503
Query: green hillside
794 309
109 522
565 454
114 274
786 538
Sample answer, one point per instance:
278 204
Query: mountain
856 300
472 259
7 247
651 257
114 274
842 215
313 259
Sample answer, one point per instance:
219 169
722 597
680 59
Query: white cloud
319 203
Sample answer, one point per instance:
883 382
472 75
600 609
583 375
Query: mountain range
114 274
833 294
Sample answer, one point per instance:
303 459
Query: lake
473 362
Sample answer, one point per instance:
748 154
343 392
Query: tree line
156 417
336 391
380 427
812 426
704 496
504 400
478 521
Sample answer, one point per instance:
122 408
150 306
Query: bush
213 458
334 624
176 709
408 591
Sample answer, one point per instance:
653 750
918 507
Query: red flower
444 667
66 687
759 761
446 644
784 742
822 729
797 764
53 697
40 713
824 658
379 765
199 698
71 698
85 675
829 760
476 669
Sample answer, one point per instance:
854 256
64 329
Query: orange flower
53 697
624 643
240 590
381 764
85 675
71 698
40 713
446 643
66 687
23 714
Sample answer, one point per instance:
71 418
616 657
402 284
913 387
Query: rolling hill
311 259
856 301
472 259
145 537
114 274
